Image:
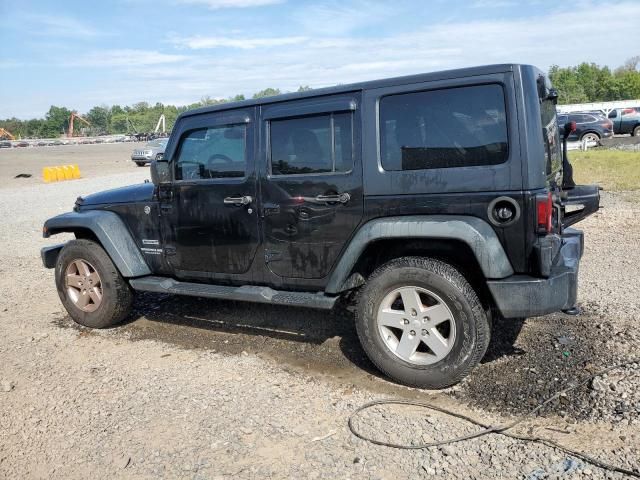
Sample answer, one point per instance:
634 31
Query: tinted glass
457 127
551 134
314 144
216 152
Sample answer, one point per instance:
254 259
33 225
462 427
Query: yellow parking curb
60 172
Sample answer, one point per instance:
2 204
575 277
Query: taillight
608 125
544 209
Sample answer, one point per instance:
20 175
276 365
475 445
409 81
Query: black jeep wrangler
437 199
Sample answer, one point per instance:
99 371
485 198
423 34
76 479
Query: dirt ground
197 388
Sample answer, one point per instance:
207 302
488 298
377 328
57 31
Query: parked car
21 144
356 191
591 126
153 150
626 120
5 144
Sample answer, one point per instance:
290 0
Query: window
314 144
457 127
214 152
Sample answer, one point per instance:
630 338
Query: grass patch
611 169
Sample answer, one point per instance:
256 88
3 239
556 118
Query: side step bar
246 293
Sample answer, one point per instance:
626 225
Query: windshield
158 143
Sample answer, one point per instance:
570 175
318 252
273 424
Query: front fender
112 233
473 231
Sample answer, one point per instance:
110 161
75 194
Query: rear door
311 188
210 223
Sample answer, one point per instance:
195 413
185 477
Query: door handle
238 201
337 198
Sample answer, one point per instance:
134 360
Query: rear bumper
525 296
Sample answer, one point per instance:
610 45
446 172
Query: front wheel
591 137
90 286
140 164
421 323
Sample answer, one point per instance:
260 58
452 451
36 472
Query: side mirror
612 114
160 172
569 128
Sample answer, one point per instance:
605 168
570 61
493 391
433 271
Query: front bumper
50 254
525 296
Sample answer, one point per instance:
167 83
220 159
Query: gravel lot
199 388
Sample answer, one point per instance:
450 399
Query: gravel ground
195 388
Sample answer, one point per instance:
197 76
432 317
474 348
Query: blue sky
84 53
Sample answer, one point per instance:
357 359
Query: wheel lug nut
406 322
425 319
413 312
412 332
424 333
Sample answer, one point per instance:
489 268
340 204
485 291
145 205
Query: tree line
115 119
589 82
583 83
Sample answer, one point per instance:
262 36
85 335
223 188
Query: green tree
267 92
99 118
589 82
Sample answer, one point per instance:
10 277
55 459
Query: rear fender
473 231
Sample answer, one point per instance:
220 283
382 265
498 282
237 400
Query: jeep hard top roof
418 78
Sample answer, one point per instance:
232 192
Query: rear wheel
140 164
636 131
90 286
421 323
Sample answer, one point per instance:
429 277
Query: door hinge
272 256
169 251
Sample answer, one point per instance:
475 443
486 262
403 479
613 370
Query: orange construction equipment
73 116
6 134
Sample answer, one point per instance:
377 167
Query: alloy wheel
416 325
83 285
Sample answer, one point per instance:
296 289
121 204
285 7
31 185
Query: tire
442 283
159 156
593 135
116 294
636 131
140 164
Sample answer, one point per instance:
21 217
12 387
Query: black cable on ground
499 429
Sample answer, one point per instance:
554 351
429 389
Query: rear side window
214 152
313 144
456 127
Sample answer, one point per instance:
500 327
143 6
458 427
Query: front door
211 223
312 198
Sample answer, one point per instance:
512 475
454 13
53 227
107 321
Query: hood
142 192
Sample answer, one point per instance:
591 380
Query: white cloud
199 42
54 26
339 18
317 59
493 3
219 4
123 58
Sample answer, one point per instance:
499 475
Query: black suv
433 200
590 126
